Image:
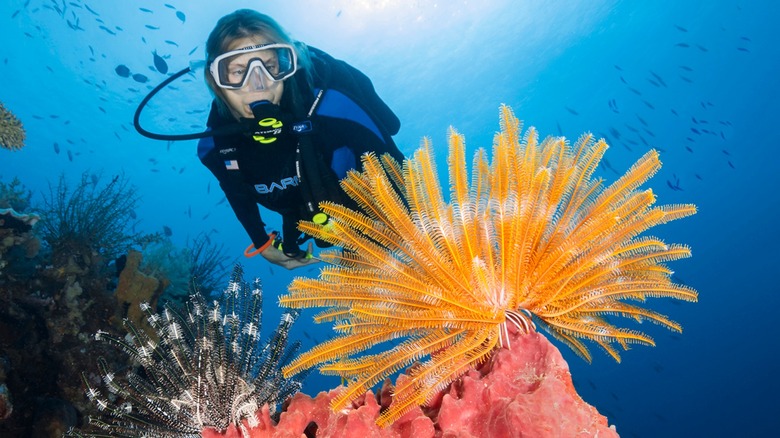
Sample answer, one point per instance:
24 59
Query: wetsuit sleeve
239 197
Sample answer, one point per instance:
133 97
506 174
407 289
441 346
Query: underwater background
696 80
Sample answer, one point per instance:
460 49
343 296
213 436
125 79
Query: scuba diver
288 121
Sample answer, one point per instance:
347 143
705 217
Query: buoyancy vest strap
317 182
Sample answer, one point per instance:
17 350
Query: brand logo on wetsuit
273 128
264 189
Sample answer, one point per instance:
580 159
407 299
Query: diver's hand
277 257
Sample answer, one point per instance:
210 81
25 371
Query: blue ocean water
697 80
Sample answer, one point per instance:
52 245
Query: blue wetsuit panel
343 161
337 105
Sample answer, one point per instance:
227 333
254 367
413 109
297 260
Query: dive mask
259 65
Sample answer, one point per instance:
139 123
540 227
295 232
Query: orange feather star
532 237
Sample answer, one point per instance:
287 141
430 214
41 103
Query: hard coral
12 133
16 237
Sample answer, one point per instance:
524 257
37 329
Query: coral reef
208 369
15 196
523 392
200 265
12 133
86 226
530 240
136 289
17 242
208 263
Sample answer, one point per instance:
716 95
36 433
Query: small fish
688 148
103 110
173 43
149 26
659 79
680 28
572 111
159 63
724 151
70 156
731 164
180 15
122 70
169 6
193 50
702 48
56 148
613 105
635 91
91 10
675 112
146 10
117 135
138 77
684 45
695 131
15 13
686 68
208 188
189 211
107 29
648 104
167 230
743 49
94 179
698 177
222 201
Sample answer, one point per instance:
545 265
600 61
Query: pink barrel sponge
525 391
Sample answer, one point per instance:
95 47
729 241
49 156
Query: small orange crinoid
531 238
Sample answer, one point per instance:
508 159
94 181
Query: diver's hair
247 23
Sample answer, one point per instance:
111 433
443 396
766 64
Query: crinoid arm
528 237
203 367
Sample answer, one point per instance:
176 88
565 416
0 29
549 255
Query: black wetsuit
350 119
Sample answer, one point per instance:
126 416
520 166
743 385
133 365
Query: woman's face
238 100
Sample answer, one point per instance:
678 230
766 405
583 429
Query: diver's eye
237 73
272 68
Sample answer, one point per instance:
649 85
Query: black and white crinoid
208 368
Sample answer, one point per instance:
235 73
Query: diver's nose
257 80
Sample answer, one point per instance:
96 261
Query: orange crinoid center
529 238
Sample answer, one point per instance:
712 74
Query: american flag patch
231 165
